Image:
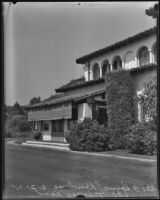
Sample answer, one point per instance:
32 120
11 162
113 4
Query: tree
35 100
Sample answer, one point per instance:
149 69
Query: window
129 60
105 67
143 56
55 126
96 72
117 63
45 126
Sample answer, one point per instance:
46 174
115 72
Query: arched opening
96 71
143 56
154 51
117 63
105 67
129 60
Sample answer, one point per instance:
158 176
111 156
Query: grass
57 171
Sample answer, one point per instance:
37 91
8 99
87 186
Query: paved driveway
46 173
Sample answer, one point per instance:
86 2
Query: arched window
105 67
117 63
96 71
154 51
143 56
129 60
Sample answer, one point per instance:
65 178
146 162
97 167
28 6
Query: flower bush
141 140
89 136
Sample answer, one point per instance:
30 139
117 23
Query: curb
87 153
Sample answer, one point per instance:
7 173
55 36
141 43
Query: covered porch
54 120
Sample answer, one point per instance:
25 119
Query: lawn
35 172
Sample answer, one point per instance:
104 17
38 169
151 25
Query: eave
116 45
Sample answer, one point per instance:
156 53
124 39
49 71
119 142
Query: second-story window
105 67
96 71
117 63
143 56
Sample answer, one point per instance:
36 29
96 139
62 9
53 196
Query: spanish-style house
86 97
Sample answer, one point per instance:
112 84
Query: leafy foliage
89 136
141 140
35 100
16 134
149 98
37 135
16 121
119 101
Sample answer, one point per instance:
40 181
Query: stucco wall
140 78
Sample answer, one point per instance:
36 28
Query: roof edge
112 47
86 83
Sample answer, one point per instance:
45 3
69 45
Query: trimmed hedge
141 140
120 105
89 136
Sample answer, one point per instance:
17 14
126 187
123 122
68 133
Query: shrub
89 136
37 135
16 134
120 105
141 140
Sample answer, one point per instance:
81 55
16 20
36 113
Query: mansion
85 97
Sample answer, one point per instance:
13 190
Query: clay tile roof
116 45
66 98
72 83
78 84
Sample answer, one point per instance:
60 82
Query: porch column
89 72
65 125
150 56
36 125
123 64
111 67
100 71
136 62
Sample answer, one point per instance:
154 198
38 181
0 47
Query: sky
44 39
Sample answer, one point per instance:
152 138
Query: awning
59 108
61 112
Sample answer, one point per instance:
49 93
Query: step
48 143
66 148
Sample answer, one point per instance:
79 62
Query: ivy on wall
120 105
